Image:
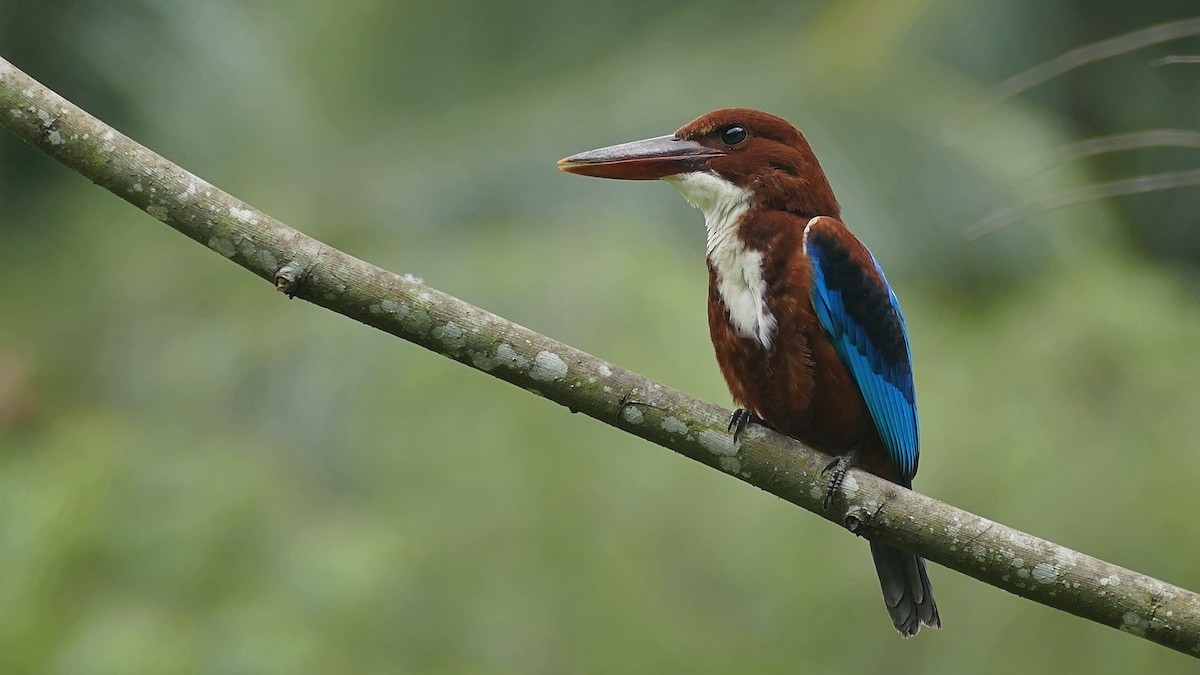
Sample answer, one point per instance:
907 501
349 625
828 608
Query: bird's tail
906 589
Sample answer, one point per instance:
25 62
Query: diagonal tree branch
304 267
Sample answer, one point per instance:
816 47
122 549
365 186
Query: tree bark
303 267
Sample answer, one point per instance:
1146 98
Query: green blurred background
197 476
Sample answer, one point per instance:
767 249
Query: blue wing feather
860 313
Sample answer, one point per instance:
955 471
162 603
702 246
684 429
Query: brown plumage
806 330
802 389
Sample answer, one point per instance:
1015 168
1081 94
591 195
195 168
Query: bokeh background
197 476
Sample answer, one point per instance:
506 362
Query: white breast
739 269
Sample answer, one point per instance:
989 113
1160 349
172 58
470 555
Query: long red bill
649 159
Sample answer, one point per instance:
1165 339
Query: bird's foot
739 420
837 470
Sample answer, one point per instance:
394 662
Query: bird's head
728 151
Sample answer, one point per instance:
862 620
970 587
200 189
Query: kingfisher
807 332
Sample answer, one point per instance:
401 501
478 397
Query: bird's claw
739 420
837 470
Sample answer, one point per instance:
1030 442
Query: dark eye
733 135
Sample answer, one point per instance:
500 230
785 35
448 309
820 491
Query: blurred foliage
198 477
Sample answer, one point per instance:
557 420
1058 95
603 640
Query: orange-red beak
650 159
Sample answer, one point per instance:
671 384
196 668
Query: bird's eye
733 135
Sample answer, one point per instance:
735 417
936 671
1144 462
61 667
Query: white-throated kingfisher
807 331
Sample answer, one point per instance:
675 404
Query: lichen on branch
402 305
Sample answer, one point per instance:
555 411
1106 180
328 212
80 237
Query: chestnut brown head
745 148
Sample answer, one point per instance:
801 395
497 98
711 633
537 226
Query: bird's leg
739 420
837 472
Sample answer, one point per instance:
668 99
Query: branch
1170 60
999 218
1082 56
1130 140
304 267
1002 218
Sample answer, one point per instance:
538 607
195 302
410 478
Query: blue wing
858 309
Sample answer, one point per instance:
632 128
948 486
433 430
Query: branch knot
289 278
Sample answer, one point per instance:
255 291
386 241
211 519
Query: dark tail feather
906 589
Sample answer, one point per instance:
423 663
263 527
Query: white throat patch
739 269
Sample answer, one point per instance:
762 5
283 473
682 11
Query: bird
807 331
